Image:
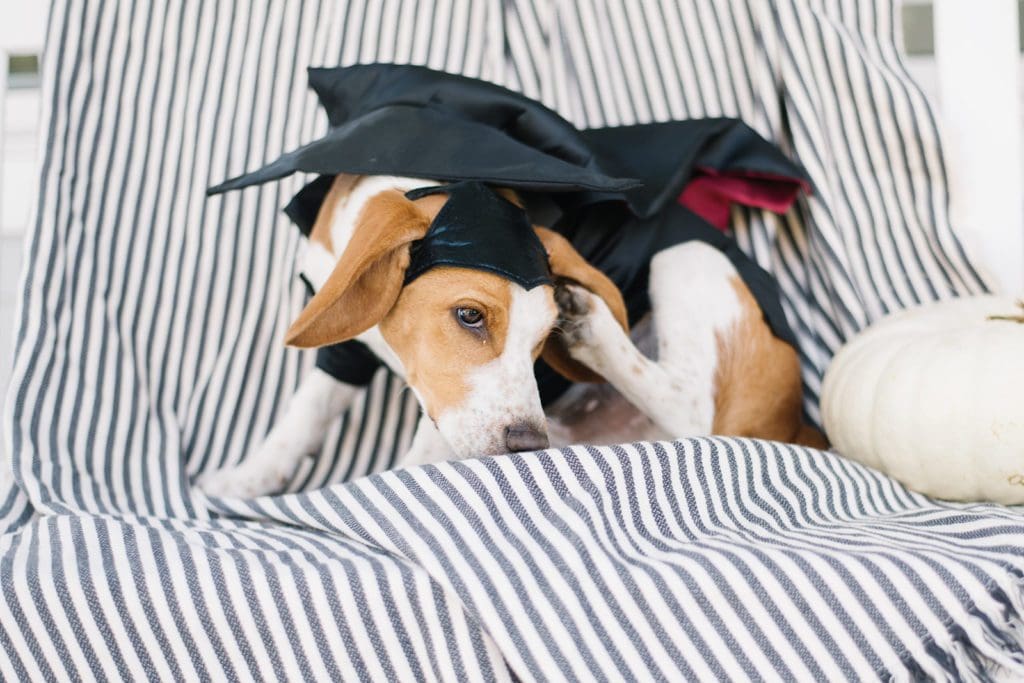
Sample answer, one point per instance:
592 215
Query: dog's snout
524 437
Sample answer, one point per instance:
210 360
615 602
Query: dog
702 361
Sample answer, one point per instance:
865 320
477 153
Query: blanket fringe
982 649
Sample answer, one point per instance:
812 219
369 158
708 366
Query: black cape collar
479 229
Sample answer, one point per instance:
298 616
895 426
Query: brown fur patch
510 195
436 351
758 392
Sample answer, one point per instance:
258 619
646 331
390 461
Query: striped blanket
148 352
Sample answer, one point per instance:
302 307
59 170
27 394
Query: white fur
317 264
374 341
428 446
503 392
692 294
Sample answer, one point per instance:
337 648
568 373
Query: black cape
618 194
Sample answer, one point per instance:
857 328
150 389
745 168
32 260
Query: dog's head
466 338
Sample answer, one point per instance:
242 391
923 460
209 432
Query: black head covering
479 229
390 119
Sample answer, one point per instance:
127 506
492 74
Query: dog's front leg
428 446
596 340
300 432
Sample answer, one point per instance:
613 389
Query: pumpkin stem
1011 318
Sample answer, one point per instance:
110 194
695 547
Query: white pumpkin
934 397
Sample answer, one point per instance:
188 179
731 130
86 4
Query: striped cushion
149 351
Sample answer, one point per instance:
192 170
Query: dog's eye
469 317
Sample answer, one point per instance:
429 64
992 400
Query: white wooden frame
978 59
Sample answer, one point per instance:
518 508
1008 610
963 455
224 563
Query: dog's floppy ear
368 277
567 265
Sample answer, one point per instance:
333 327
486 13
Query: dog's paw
244 481
589 329
575 308
587 325
573 301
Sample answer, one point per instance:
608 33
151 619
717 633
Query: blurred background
965 54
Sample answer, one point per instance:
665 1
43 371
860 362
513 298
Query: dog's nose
523 437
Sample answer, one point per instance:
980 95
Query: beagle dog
702 361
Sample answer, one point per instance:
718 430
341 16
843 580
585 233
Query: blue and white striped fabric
149 352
